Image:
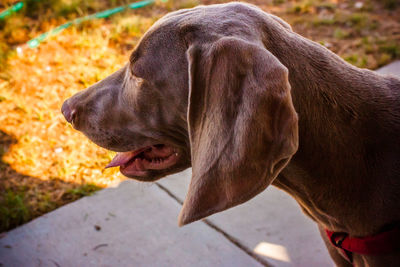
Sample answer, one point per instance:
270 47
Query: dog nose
68 112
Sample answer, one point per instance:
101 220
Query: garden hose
11 10
99 15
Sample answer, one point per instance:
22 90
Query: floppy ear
242 125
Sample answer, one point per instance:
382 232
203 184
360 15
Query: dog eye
137 81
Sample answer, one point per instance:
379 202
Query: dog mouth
139 162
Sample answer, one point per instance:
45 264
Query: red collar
384 242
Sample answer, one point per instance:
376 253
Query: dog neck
339 161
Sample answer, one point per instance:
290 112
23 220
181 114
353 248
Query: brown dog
233 92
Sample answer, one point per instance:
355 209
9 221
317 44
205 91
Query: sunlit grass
51 164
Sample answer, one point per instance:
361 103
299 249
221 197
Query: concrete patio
135 224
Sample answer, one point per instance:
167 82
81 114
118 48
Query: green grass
13 210
69 9
358 60
84 190
301 8
390 48
328 6
358 19
278 2
44 203
340 33
174 5
384 59
323 21
188 4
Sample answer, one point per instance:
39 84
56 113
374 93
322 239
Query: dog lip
133 174
138 167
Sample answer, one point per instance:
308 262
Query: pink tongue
120 159
123 157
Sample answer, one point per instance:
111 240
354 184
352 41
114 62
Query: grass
82 191
16 209
341 34
392 49
44 163
342 26
13 210
390 4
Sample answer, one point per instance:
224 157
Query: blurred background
44 162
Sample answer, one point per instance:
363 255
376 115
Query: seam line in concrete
230 238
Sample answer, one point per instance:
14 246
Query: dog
234 93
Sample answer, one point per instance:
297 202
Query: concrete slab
132 225
271 225
393 68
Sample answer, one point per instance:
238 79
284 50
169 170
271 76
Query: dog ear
242 125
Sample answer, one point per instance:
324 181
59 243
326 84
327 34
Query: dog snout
68 112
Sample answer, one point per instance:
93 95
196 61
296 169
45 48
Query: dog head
200 90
